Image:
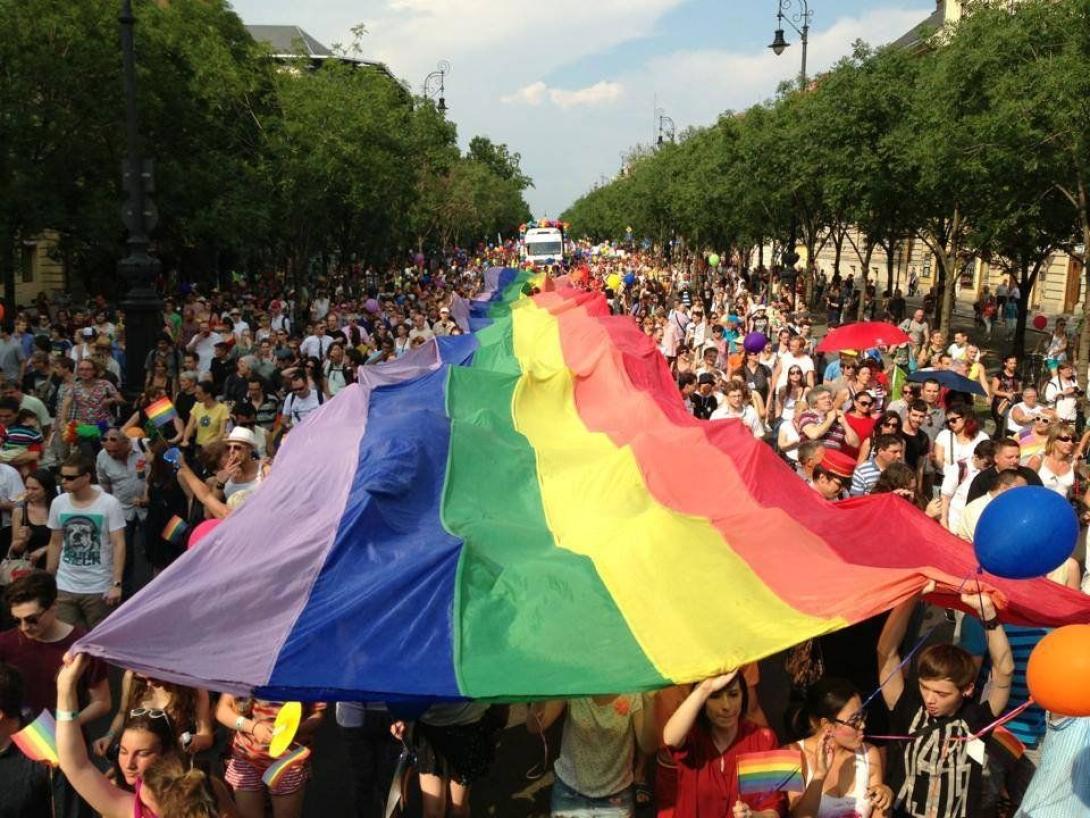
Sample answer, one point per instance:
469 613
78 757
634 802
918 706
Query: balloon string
1006 717
908 658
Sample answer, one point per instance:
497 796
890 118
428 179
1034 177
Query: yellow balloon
614 281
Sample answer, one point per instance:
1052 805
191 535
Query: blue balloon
1025 532
755 342
629 279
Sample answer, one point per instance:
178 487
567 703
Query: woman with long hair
172 431
1057 467
889 423
187 708
30 518
843 774
899 478
1005 389
953 451
157 784
791 397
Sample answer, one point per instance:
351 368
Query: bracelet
990 624
67 715
240 722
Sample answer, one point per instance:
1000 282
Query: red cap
838 463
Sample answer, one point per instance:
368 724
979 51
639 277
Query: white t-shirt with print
87 554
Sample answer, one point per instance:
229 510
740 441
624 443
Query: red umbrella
863 335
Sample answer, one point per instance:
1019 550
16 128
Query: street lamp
666 126
139 268
793 12
436 81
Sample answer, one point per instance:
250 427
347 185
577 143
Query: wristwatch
117 583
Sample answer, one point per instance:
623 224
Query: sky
573 85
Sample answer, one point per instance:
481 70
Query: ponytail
822 700
180 792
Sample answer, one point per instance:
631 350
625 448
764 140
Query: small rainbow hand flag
161 411
297 756
38 740
1009 742
771 771
175 530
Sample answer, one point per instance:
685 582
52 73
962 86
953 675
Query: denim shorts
567 803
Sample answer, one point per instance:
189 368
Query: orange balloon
134 432
1058 672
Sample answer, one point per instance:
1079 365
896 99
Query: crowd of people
95 489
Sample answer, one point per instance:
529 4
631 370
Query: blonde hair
1057 430
180 792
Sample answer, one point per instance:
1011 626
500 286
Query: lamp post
436 81
139 268
794 13
666 126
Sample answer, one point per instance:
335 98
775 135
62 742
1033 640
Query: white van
543 245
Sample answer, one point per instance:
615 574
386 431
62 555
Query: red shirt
707 780
39 662
863 427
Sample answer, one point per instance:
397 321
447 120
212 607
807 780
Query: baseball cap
88 332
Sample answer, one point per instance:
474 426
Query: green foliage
979 146
257 165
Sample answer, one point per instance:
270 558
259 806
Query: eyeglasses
856 722
31 620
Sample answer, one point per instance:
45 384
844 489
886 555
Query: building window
26 261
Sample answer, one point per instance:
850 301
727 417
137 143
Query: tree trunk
7 270
1084 336
838 250
889 265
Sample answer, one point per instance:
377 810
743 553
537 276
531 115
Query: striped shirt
1061 786
864 478
1029 726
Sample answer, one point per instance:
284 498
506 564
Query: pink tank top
139 808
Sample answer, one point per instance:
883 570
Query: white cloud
532 94
537 92
569 137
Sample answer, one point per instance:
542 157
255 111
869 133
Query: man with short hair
833 474
204 345
266 405
795 356
14 390
1007 456
811 453
420 328
301 401
970 515
337 370
445 324
888 448
36 648
935 420
317 342
87 546
122 471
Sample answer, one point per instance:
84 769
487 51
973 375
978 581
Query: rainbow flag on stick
771 771
273 775
175 530
161 412
38 740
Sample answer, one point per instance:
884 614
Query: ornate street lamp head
442 105
779 43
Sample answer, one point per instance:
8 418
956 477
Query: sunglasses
66 477
865 404
235 447
31 620
1065 438
953 420
149 712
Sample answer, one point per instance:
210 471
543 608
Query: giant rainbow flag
526 511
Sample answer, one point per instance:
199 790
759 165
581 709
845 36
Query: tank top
855 804
139 808
1059 483
232 487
